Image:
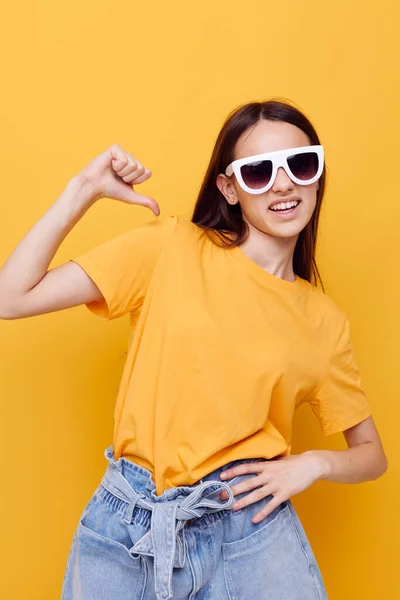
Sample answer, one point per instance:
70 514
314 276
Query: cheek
310 201
308 209
253 206
256 215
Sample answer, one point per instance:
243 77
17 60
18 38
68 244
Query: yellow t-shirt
220 354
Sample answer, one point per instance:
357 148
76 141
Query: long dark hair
220 220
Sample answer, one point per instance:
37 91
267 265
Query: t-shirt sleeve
340 401
122 267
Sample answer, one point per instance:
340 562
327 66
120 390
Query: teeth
285 205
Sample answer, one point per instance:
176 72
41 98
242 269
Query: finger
268 508
254 467
244 486
143 177
132 166
133 162
129 166
134 198
116 152
118 164
255 496
137 177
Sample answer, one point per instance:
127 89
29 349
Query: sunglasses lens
257 175
304 166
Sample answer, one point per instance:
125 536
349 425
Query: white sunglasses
256 174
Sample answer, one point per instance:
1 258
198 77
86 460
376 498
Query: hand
112 174
282 477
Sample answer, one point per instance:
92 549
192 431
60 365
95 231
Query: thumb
133 197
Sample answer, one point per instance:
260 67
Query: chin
285 234
284 230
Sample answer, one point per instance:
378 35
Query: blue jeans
186 544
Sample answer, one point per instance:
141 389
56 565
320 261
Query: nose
282 181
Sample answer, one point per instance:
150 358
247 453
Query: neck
272 253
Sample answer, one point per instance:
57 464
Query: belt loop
129 511
109 454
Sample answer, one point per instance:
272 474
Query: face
269 136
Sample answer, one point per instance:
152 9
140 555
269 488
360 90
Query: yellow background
159 79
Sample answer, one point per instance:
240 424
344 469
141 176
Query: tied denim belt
166 539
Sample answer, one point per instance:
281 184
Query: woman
229 334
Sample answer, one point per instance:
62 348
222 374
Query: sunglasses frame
278 159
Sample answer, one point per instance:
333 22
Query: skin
271 245
272 240
28 288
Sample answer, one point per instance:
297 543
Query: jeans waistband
165 541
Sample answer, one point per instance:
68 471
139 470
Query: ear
227 188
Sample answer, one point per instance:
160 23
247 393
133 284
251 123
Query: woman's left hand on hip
281 477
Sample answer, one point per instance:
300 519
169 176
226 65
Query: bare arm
27 287
286 476
364 460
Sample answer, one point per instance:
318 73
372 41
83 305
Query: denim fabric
186 544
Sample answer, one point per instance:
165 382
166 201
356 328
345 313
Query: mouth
285 208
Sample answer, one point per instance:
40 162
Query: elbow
5 314
8 311
381 466
5 306
385 465
12 305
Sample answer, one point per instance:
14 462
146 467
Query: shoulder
326 310
180 228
